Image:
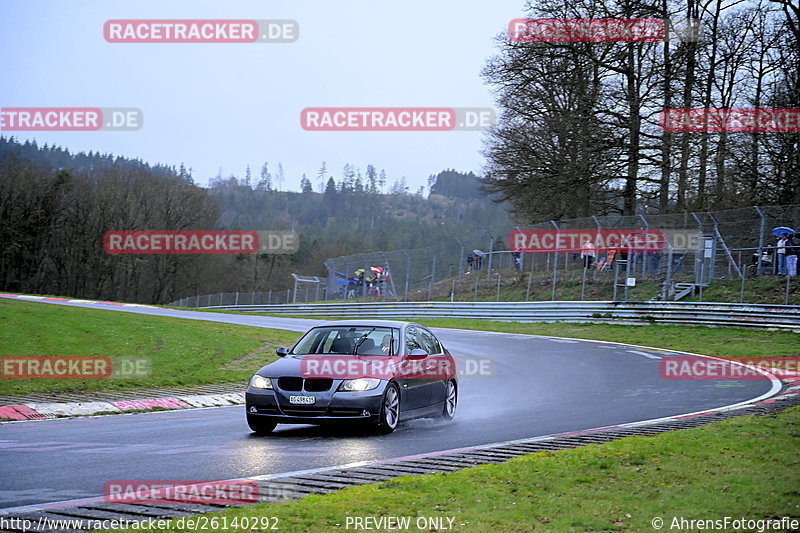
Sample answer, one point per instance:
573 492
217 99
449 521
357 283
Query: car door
414 390
434 383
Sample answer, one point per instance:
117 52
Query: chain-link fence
236 298
725 256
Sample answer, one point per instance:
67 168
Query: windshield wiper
361 340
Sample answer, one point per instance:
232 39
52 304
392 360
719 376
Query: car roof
367 323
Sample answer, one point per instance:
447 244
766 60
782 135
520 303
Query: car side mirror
282 351
417 354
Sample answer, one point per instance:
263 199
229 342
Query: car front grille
310 385
317 384
290 384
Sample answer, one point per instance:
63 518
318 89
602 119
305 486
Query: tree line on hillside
579 132
56 206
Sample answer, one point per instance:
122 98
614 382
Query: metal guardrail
693 313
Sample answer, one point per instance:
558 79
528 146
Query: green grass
182 352
763 290
742 467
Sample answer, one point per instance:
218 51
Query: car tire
390 410
450 401
261 425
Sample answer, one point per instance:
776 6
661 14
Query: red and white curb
42 411
70 300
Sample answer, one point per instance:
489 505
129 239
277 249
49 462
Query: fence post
583 277
555 261
433 275
644 254
786 300
528 290
408 273
628 271
453 291
699 255
597 235
491 252
497 299
762 229
741 290
460 260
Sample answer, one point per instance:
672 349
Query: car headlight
359 384
260 382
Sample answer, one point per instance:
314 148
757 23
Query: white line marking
648 355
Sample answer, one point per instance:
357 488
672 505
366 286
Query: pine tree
305 185
382 180
321 173
279 178
265 183
372 180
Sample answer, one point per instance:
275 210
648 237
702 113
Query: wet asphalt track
538 386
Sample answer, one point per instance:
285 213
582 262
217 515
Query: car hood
285 366
349 367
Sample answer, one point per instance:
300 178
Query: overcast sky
230 105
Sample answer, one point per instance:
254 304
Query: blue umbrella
780 230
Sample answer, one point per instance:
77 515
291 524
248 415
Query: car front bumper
329 407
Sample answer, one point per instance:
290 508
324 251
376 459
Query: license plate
302 400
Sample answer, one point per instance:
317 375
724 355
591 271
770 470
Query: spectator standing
588 253
780 251
517 258
792 249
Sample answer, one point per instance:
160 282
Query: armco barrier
695 313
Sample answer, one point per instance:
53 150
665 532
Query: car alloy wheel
450 401
390 411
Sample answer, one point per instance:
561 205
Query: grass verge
182 352
742 467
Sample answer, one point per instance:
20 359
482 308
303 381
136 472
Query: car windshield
332 340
